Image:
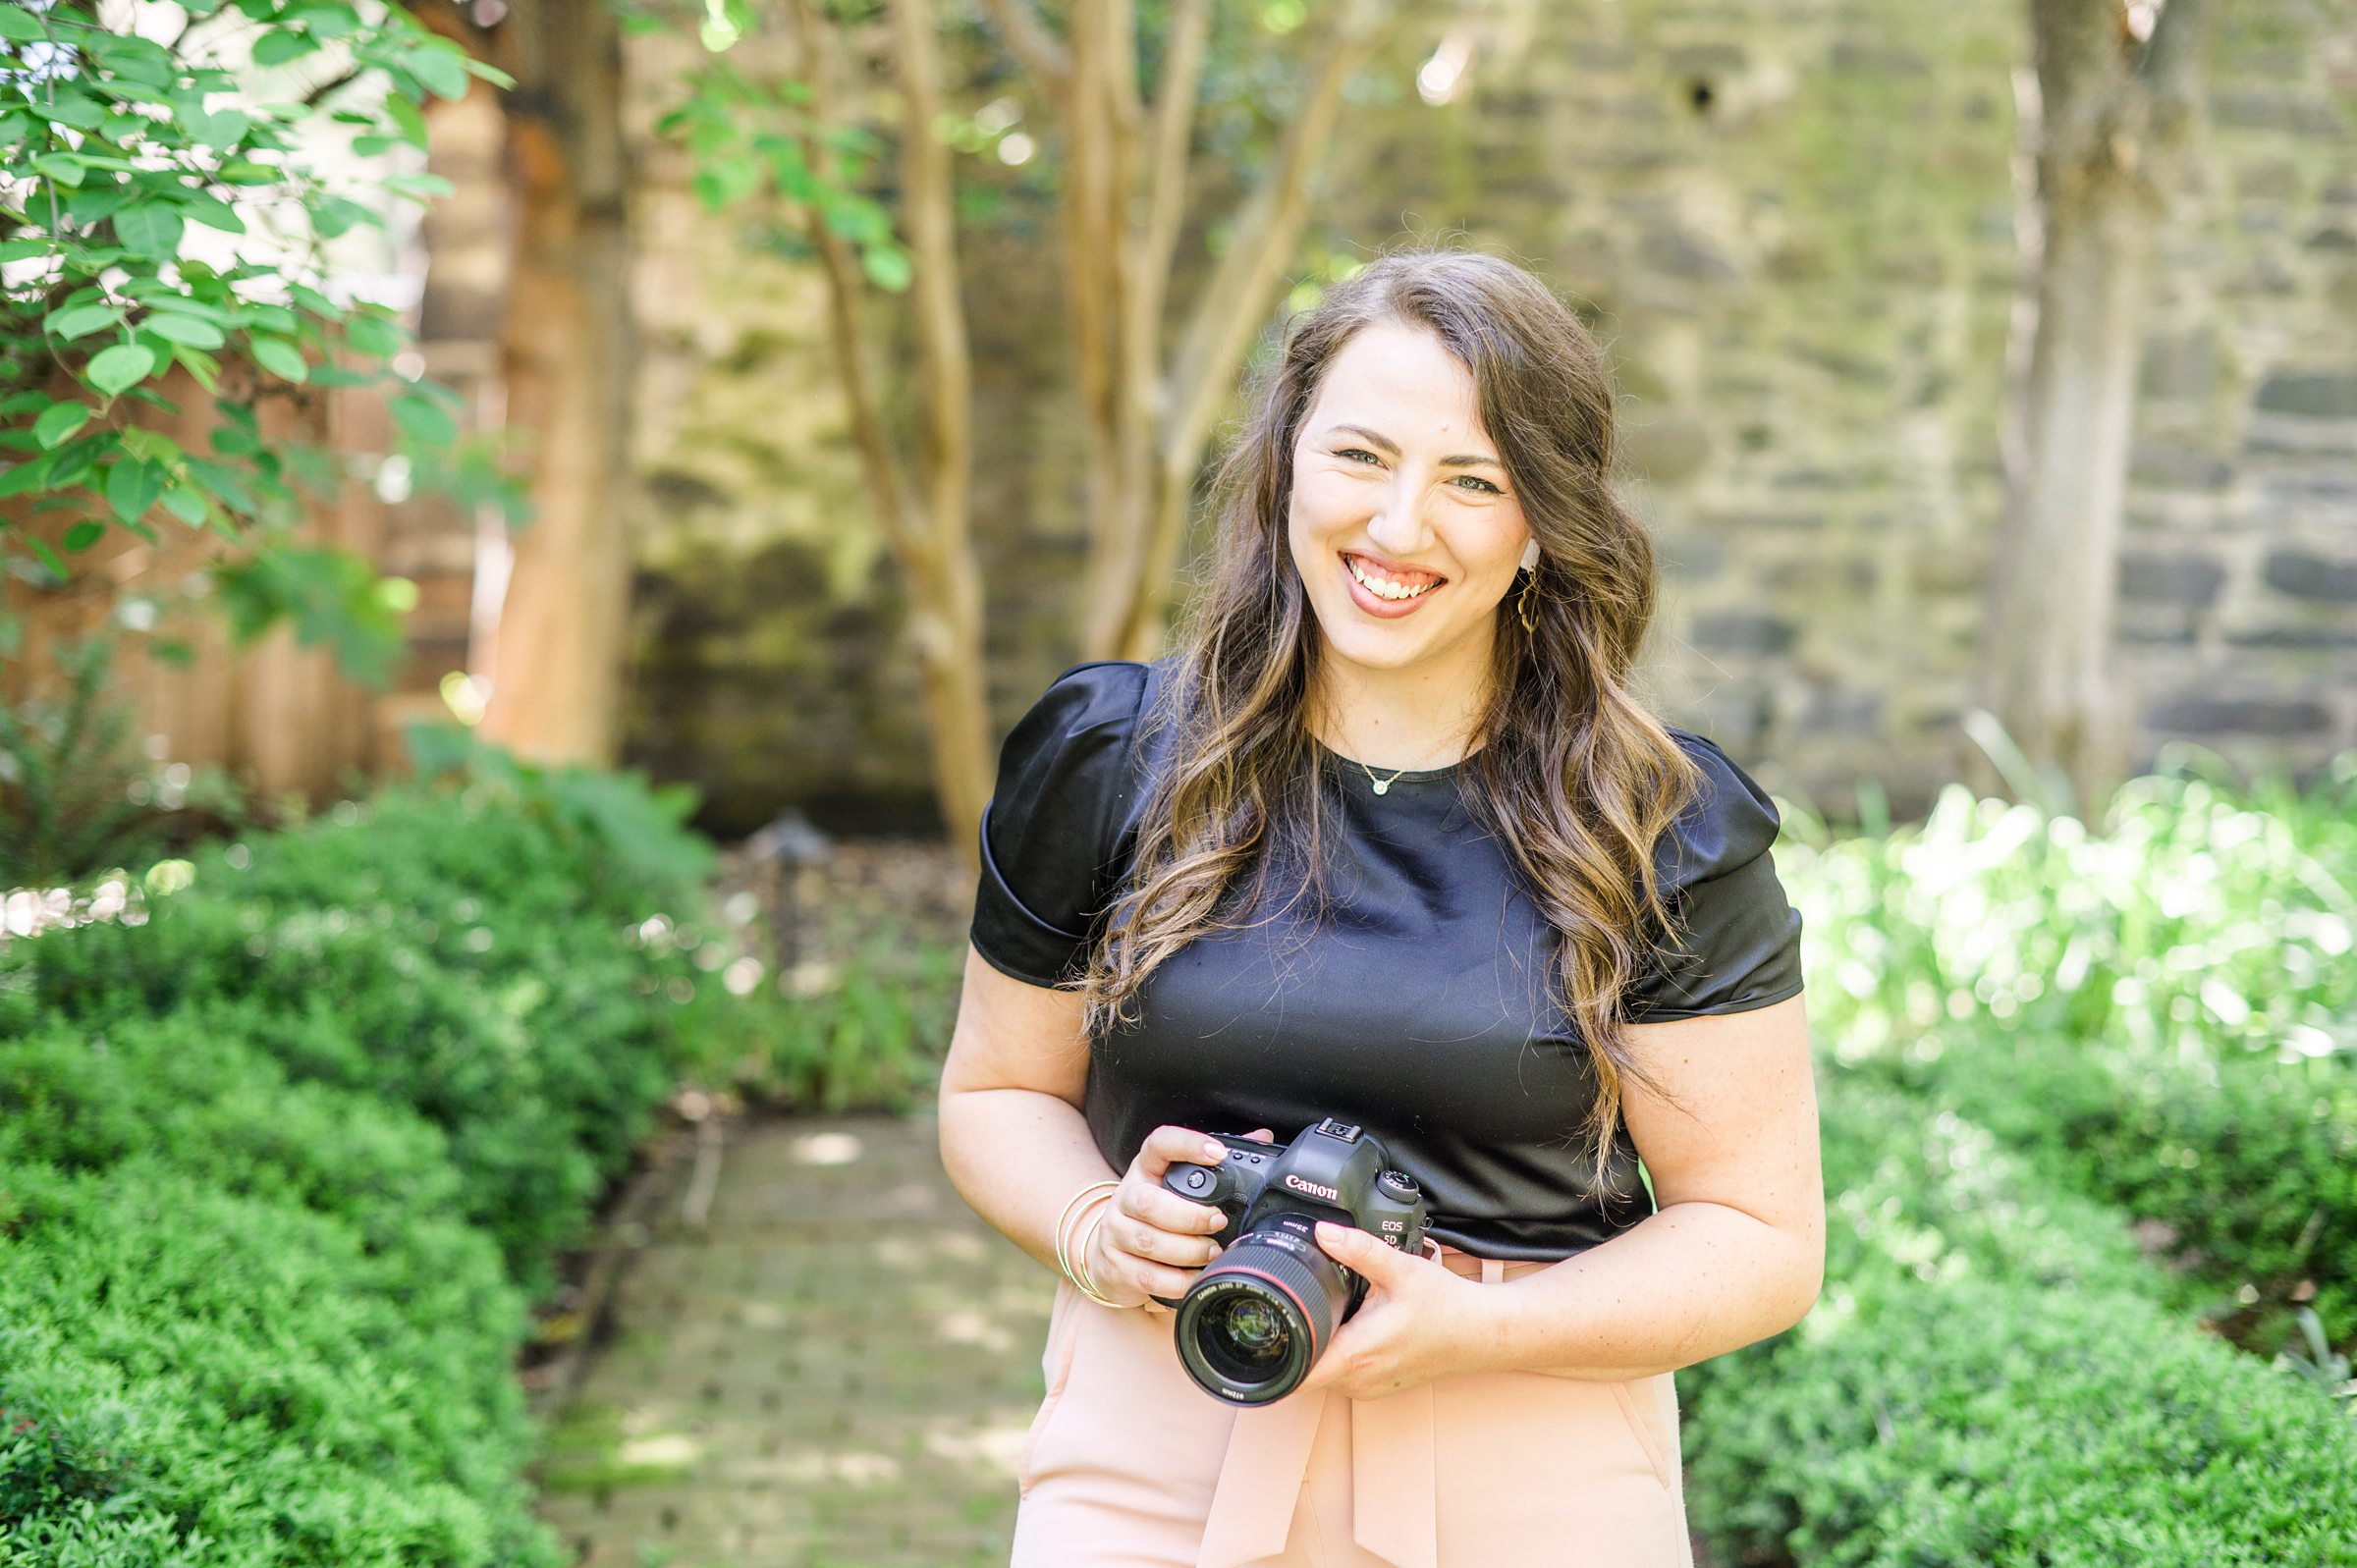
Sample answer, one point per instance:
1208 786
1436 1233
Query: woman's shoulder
1738 942
1052 828
1101 693
1730 823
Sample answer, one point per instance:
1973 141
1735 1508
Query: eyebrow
1392 449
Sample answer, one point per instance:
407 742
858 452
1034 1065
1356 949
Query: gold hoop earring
1522 604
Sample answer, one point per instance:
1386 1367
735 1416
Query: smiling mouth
1386 587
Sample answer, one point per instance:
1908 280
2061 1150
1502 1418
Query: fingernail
1217 1151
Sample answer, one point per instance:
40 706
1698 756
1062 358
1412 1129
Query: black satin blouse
1417 1008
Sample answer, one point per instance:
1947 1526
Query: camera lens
1257 1319
1245 1337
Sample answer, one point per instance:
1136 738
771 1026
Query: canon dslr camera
1262 1312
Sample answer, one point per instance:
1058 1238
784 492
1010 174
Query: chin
1378 647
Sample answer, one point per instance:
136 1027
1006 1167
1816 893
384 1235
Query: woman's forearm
1017 1157
1692 1281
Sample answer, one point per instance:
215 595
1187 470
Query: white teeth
1384 587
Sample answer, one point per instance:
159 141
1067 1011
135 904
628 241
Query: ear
1530 555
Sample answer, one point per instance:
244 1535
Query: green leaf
280 358
61 421
326 21
424 420
82 535
887 267
220 130
213 213
176 328
418 186
41 547
21 26
25 250
124 365
152 227
202 367
188 503
62 167
80 321
282 44
132 487
406 115
333 215
374 335
26 477
440 68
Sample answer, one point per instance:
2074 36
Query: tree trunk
926 525
557 660
2108 126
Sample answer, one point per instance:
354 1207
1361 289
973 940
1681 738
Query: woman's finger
1143 1240
1111 1265
1167 1145
1160 1206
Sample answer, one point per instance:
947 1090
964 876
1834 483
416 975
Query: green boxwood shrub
1992 1378
2252 1172
282 1166
248 1374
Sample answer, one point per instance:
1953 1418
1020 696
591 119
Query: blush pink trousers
1129 1465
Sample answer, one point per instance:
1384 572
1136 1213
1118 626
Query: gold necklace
1382 785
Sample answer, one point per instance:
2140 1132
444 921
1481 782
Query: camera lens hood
1259 1316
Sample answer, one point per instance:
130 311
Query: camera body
1261 1313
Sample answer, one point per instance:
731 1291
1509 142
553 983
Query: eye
1359 451
1486 488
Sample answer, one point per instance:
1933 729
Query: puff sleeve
1739 939
1051 832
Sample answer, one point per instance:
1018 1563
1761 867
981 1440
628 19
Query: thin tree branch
843 315
1229 310
1042 56
2172 67
1173 124
929 213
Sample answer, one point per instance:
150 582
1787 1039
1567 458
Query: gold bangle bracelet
1063 1249
1082 1276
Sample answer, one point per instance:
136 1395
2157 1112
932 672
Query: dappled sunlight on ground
839 1372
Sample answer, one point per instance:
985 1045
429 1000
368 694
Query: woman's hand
1151 1242
1418 1322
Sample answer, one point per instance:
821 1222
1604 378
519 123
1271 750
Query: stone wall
1792 226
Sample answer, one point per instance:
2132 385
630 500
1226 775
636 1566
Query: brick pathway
836 1373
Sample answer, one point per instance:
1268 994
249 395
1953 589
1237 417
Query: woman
1387 838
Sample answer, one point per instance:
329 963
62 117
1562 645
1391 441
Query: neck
1415 717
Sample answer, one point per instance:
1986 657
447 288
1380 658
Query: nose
1400 527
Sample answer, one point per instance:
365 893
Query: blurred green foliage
2163 1009
2087 1095
78 791
122 139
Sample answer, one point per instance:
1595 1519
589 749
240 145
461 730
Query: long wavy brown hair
1572 776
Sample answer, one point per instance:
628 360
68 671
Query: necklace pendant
1383 786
